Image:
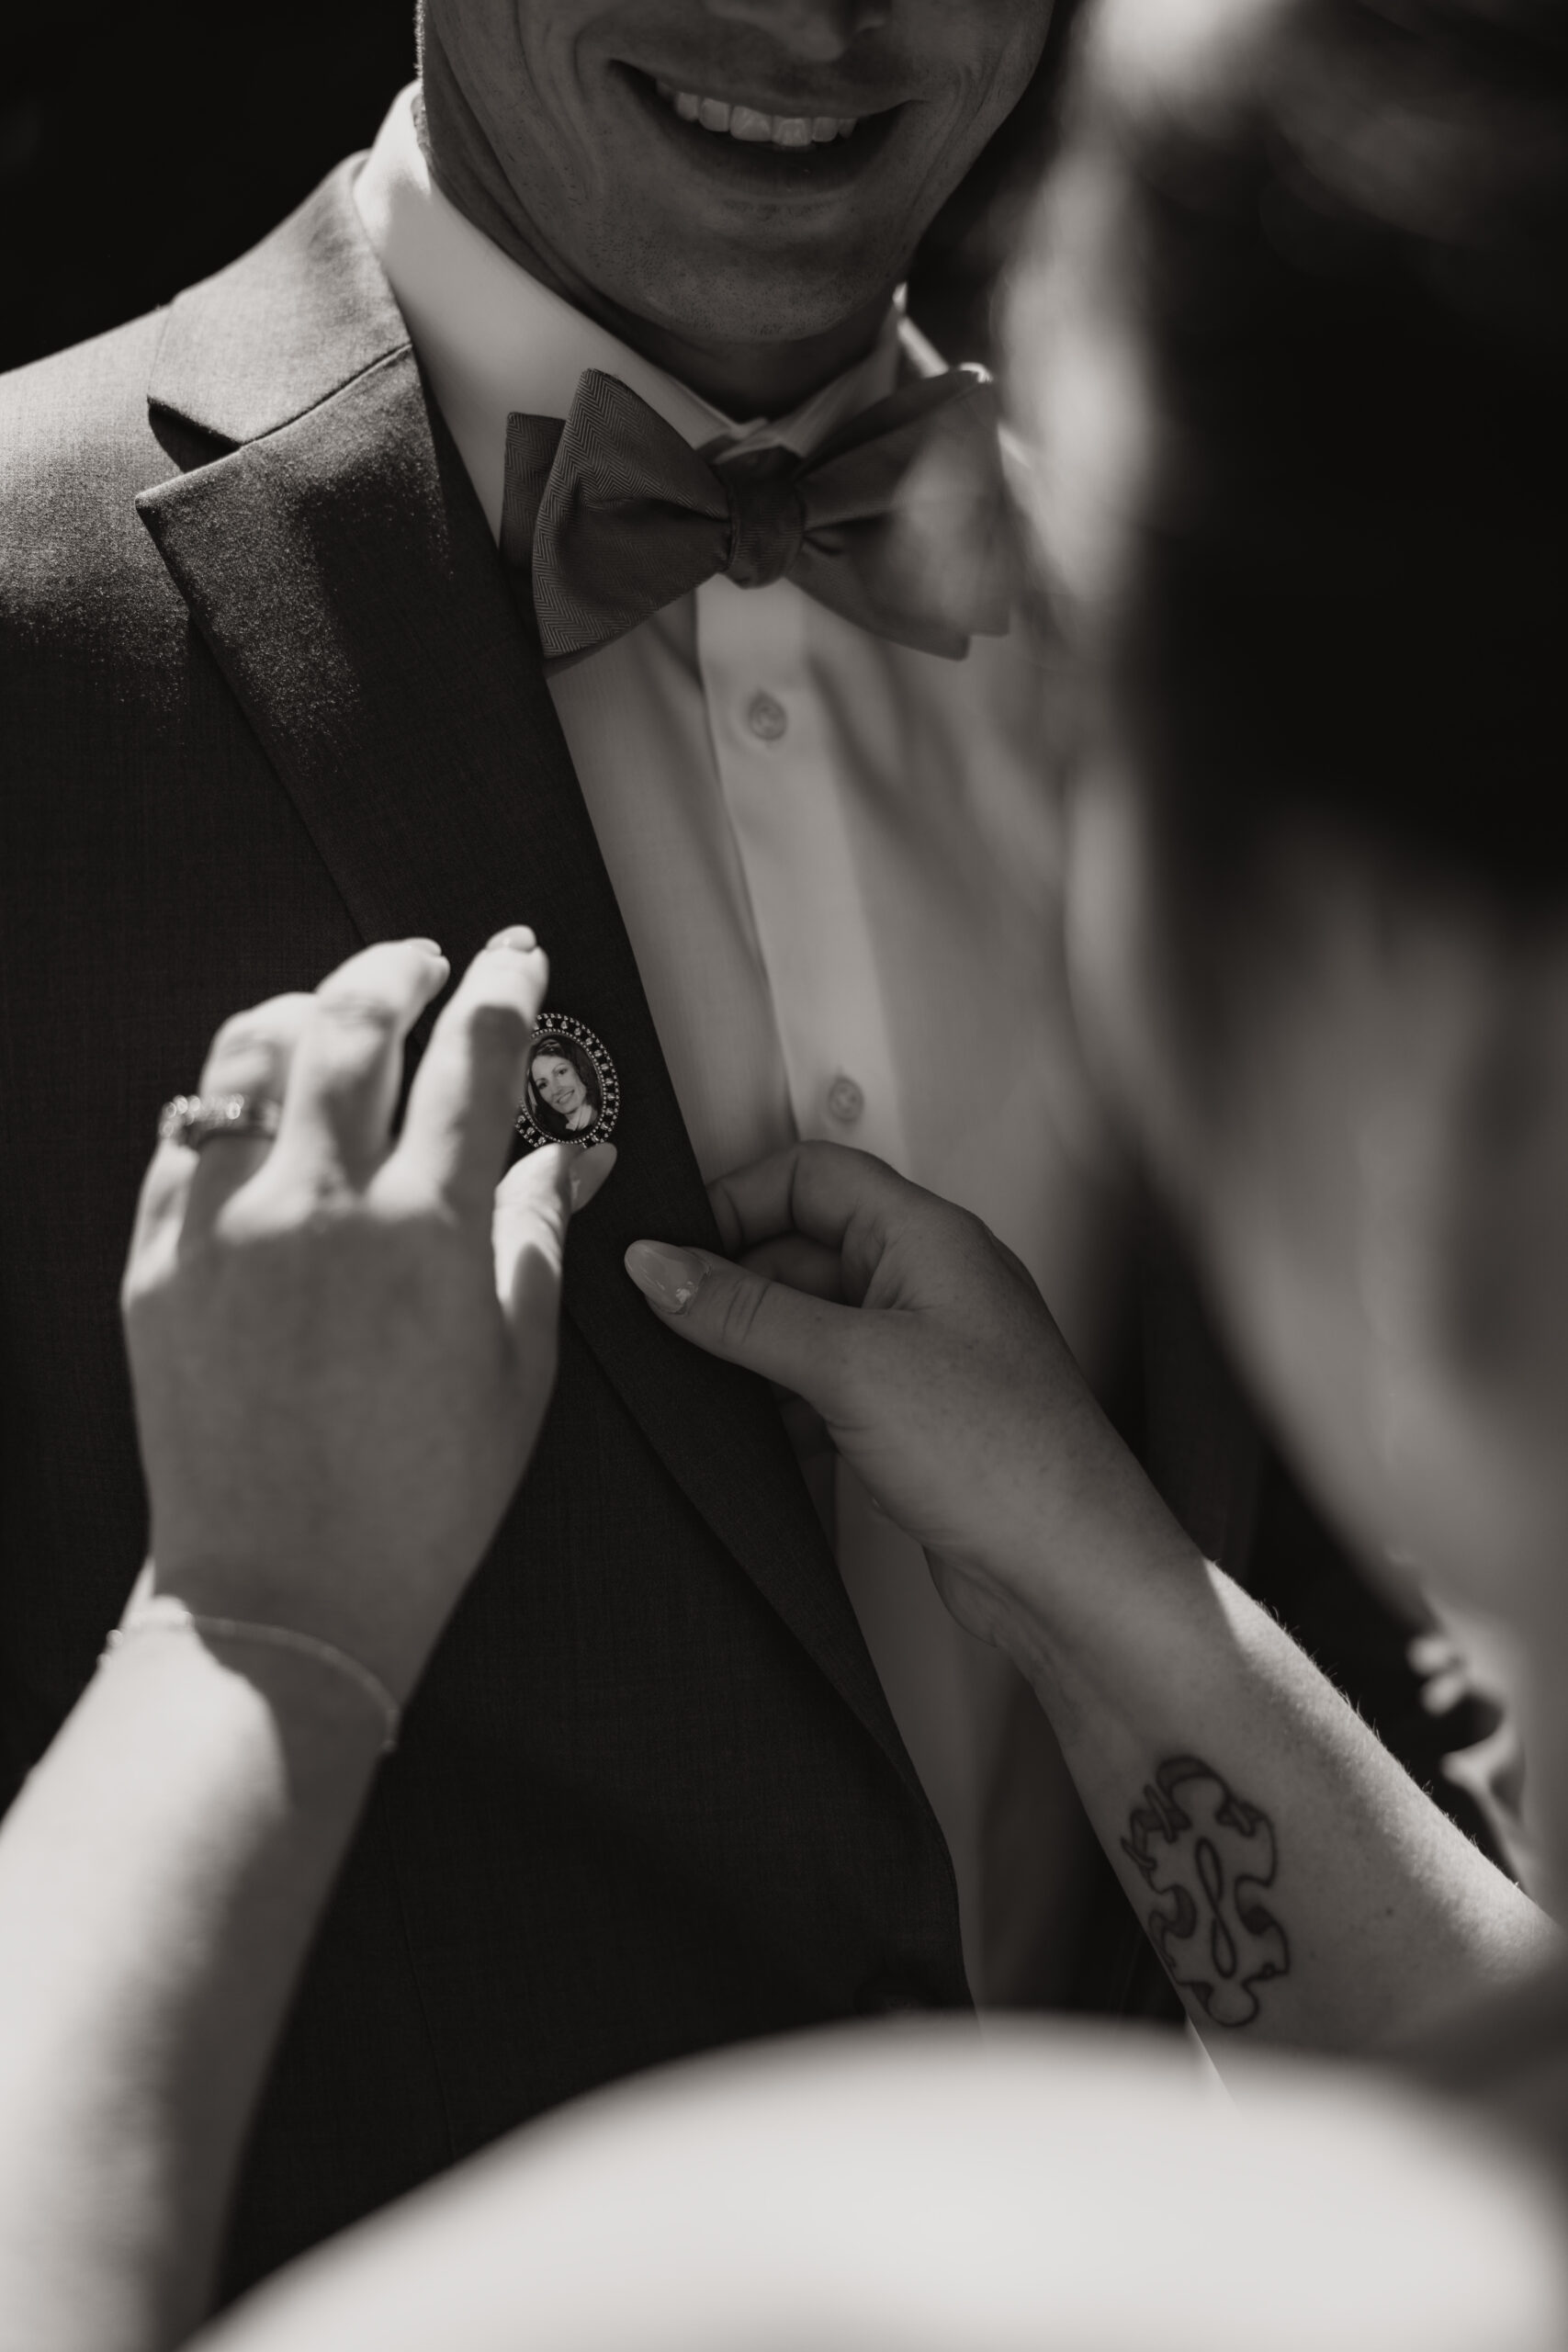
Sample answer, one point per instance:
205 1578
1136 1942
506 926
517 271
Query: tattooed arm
1211 1856
1295 1880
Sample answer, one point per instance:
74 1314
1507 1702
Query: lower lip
821 169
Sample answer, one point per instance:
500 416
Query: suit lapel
339 567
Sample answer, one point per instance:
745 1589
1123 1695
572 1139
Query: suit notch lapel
283 327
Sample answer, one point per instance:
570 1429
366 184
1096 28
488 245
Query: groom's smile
802 144
730 172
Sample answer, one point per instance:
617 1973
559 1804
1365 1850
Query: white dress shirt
838 865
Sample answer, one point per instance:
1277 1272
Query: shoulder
1039 2186
85 433
76 446
71 423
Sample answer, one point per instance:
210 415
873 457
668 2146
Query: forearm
160 1878
1298 1883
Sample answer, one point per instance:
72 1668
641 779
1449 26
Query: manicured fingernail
668 1277
516 934
431 947
589 1168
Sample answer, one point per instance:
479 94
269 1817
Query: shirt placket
785 799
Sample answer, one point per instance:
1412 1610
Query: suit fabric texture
266 697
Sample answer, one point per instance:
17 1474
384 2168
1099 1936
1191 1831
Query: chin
733 239
747 294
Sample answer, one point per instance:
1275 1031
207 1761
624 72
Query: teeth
750 125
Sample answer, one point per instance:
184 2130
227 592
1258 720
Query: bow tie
896 521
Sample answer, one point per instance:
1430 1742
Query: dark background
144 145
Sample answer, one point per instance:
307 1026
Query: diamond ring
197 1120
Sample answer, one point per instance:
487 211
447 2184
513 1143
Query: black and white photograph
784 1176
569 1094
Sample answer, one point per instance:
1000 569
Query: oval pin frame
574 1074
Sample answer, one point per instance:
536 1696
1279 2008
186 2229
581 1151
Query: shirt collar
492 339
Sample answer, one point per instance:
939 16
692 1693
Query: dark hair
1329 241
566 1049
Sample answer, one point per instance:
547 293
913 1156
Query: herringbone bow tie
615 515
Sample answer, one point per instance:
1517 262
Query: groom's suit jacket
264 696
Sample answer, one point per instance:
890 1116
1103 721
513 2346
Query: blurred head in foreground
1290 351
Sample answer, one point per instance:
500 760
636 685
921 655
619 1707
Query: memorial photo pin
571 1093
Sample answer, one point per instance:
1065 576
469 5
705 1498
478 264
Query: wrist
317 1698
379 1610
1076 1583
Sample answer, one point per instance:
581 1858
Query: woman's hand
341 1348
935 1365
342 1345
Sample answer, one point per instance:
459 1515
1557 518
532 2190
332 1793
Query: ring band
195 1120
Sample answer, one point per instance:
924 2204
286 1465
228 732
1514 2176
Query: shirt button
845 1100
767 718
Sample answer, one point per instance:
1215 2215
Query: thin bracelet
165 1614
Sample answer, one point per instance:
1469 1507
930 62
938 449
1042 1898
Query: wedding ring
195 1120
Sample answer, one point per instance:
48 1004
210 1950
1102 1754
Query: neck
743 379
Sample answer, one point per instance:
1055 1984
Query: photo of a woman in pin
565 1095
